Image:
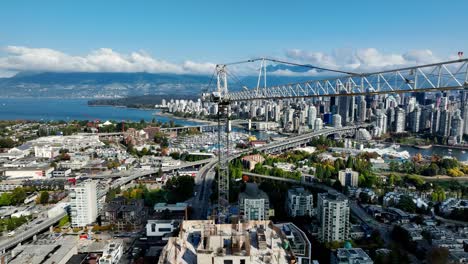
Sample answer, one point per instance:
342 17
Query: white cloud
362 60
102 60
19 58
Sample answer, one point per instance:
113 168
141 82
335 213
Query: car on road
12 233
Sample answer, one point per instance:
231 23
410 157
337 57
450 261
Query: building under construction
203 241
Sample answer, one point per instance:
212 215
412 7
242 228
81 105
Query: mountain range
99 85
118 85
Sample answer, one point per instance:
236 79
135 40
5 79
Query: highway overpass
36 227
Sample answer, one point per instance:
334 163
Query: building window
228 261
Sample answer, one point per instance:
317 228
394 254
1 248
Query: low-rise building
414 231
61 172
28 172
350 256
171 211
247 243
284 166
112 253
160 228
453 203
298 242
452 244
399 215
124 215
46 151
458 257
250 161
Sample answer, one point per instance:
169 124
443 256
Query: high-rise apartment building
348 177
400 120
254 203
333 214
299 202
83 203
312 115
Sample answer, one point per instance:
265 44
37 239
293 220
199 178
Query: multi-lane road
31 229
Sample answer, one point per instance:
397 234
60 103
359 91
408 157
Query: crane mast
220 99
223 144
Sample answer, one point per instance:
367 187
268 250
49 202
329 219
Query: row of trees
277 172
323 143
437 166
326 171
177 189
187 157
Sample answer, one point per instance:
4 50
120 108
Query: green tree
180 188
7 143
5 199
349 162
406 204
175 155
394 166
64 221
449 163
44 197
337 186
18 195
438 195
437 255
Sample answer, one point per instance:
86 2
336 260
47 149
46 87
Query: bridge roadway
149 172
202 128
142 173
303 139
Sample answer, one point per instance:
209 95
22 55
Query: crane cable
293 64
311 66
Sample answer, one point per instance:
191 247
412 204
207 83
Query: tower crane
441 76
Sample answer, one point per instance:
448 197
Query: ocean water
54 109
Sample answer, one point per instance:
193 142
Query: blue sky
219 31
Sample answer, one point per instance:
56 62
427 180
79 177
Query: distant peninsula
142 101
